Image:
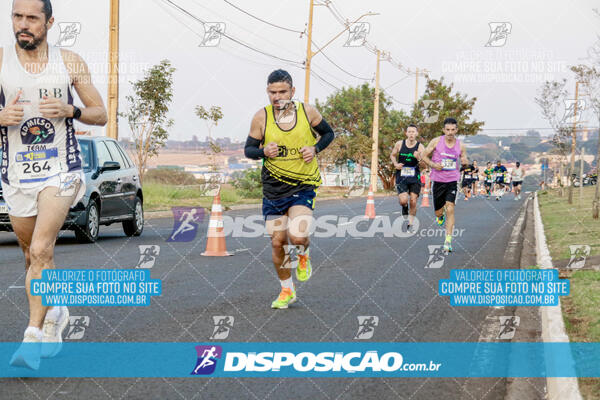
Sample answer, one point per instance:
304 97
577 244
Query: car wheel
135 226
89 232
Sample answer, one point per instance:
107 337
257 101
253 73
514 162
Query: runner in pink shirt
448 155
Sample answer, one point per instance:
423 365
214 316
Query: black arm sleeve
326 133
253 150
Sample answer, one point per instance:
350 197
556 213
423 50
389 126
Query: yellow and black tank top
288 173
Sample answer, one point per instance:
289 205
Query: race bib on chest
448 164
468 176
407 171
38 165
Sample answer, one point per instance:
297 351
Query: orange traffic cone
425 201
370 210
215 243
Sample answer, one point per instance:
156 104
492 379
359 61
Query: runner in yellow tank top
284 135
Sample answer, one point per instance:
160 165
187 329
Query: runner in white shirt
41 166
517 179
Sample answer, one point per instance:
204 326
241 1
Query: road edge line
553 326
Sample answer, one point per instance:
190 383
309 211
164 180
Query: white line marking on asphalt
17 287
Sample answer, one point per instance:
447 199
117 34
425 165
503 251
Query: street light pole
310 54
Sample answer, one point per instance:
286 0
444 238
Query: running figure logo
148 255
579 252
508 326
69 184
570 116
68 33
499 32
207 359
357 34
431 110
223 324
290 261
77 327
213 31
186 220
366 326
436 257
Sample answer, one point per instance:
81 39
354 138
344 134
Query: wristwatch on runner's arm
76 112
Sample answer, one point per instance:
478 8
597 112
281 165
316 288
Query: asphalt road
370 276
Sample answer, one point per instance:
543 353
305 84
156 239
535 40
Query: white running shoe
52 330
28 354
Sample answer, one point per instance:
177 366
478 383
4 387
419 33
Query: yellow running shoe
286 297
304 269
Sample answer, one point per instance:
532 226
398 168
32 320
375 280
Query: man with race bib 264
41 168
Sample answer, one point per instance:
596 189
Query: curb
553 326
258 206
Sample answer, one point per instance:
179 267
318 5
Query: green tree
590 78
248 183
350 113
211 117
551 99
439 102
147 112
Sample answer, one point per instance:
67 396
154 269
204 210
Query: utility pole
417 87
309 53
581 174
113 75
375 149
573 144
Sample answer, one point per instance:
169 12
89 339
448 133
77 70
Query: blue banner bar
340 359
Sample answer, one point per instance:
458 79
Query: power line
397 82
340 68
312 72
183 10
263 21
254 32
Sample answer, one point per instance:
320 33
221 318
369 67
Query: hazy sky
446 38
